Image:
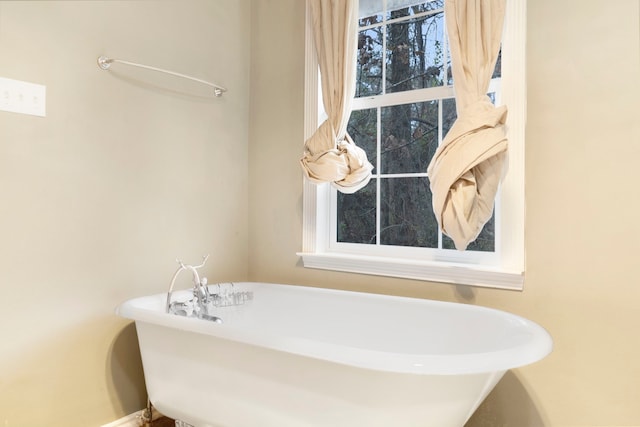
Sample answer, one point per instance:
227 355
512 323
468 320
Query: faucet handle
181 308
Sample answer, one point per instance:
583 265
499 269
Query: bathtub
299 356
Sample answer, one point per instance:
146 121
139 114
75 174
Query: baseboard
133 420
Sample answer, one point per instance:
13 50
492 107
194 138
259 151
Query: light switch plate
22 97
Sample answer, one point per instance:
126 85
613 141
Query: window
403 108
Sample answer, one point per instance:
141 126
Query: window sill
462 274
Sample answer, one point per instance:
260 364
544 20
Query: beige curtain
330 154
467 168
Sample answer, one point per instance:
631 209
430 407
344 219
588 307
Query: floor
163 422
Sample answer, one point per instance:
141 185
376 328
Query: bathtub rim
534 350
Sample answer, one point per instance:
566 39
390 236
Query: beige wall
128 171
131 169
583 241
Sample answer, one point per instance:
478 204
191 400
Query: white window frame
502 269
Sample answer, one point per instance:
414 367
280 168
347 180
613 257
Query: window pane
409 137
374 8
409 7
486 241
369 19
449 114
406 216
415 52
369 65
363 129
357 215
497 71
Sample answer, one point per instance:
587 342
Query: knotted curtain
330 155
466 169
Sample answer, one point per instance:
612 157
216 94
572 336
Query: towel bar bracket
104 62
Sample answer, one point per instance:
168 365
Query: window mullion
405 97
447 54
378 171
384 52
383 84
440 138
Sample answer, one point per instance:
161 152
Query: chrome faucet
201 295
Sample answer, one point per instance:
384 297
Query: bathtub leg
147 415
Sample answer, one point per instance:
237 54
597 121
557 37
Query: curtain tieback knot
466 170
342 163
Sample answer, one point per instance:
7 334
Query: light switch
22 97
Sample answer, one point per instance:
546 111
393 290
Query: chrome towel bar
105 63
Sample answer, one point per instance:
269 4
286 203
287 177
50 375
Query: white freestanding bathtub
298 356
